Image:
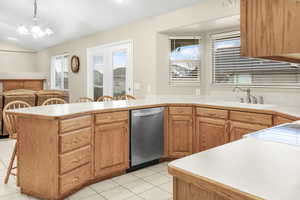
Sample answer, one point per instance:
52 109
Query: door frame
91 51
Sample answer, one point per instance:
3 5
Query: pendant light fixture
35 30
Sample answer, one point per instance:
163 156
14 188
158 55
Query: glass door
112 70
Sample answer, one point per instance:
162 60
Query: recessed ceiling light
12 38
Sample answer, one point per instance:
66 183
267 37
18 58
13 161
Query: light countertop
267 170
74 108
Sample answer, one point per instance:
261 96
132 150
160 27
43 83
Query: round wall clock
75 64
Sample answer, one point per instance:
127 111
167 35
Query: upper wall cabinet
270 29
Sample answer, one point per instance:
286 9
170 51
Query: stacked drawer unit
75 153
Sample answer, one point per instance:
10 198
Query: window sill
255 86
197 84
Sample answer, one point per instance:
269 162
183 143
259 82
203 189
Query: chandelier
35 30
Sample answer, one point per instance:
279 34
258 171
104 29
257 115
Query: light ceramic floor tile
156 194
143 173
15 196
166 173
125 179
168 187
82 194
157 179
162 167
2 165
138 186
118 193
104 185
7 189
94 197
135 198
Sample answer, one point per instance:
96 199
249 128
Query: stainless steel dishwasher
147 136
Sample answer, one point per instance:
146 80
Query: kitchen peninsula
62 148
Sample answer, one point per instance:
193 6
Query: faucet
249 98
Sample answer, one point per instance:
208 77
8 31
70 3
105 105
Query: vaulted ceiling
71 19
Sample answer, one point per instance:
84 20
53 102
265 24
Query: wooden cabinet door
269 29
239 129
210 133
111 148
180 135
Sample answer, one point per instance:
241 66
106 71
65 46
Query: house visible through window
230 68
185 60
60 73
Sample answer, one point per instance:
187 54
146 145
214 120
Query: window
230 68
185 60
60 74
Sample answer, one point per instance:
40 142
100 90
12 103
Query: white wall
150 67
15 59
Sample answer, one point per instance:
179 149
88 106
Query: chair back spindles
104 98
10 120
84 100
54 101
127 97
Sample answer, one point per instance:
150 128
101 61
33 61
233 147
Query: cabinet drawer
74 179
111 117
180 110
255 118
214 113
74 159
75 139
75 123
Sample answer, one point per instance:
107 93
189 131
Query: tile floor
151 183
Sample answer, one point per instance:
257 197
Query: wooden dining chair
10 120
84 100
104 98
127 97
54 101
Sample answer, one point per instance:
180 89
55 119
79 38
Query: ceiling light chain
35 30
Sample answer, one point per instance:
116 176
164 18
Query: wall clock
75 64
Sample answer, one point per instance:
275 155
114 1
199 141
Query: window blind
185 61
229 67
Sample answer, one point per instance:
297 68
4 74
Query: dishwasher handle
146 114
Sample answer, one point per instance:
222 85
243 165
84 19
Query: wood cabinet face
239 129
111 148
210 133
269 29
180 135
281 120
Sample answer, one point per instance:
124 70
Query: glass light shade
23 30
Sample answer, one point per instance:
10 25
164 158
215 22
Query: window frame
53 76
174 82
211 57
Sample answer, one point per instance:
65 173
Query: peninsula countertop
266 170
53 111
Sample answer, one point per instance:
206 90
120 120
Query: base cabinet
210 133
180 135
188 191
239 129
111 148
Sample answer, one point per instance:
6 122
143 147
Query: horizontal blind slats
230 68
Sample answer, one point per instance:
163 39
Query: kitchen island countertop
258 169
